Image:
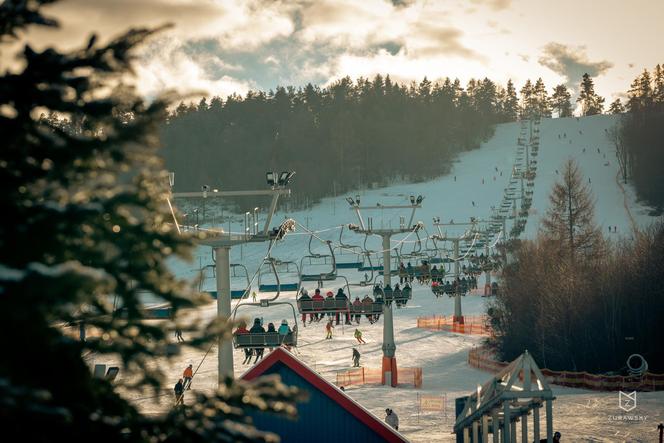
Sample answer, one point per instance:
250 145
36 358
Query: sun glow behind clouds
225 46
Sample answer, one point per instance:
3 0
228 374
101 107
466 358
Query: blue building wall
319 420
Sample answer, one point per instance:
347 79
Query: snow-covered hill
473 187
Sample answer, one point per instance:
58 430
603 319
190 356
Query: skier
318 303
358 336
178 335
341 297
392 419
253 296
188 375
305 302
257 328
357 308
356 358
328 327
179 393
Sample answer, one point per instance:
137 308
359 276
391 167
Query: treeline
577 302
350 135
346 136
640 141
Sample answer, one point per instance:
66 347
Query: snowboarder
358 336
179 392
188 375
328 327
356 358
392 419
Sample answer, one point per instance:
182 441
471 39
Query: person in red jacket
188 375
318 304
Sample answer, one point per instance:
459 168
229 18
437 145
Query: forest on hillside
350 135
639 138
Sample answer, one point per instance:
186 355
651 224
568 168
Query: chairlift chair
266 339
329 305
321 276
277 286
350 250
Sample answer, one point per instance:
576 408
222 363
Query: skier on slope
392 419
356 358
328 328
358 336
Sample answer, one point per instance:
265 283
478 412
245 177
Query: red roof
337 395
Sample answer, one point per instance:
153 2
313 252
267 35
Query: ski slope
478 177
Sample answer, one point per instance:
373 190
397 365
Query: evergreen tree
511 105
561 101
528 101
569 221
86 223
640 95
616 107
542 99
591 103
658 93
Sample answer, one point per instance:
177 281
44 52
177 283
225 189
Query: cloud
571 63
361 28
496 5
168 65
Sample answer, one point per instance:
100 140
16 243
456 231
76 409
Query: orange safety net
364 376
482 358
473 324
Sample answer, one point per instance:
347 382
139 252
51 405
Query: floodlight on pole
357 199
271 177
350 201
419 199
171 178
412 199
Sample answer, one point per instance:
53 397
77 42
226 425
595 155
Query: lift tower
221 242
389 372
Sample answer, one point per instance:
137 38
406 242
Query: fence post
363 375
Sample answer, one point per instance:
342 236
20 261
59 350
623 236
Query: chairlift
326 305
322 259
344 261
400 296
261 340
287 267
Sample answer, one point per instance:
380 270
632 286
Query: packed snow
475 184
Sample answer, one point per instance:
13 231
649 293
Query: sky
220 47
